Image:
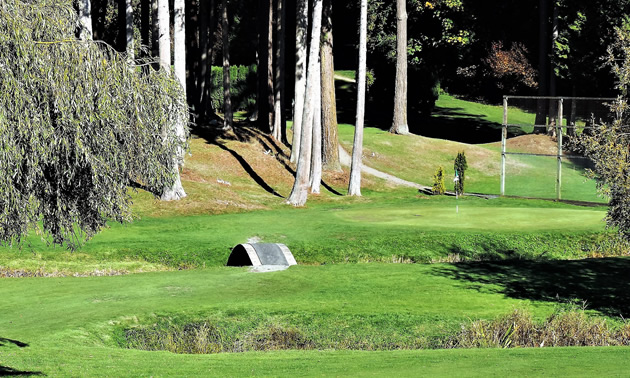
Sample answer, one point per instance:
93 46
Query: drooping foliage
609 144
78 124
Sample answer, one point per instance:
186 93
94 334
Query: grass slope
528 176
236 184
68 323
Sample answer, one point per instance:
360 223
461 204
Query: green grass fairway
527 176
68 323
479 218
379 227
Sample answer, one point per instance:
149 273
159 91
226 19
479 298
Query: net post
503 142
559 138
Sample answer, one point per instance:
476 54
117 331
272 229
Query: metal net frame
553 108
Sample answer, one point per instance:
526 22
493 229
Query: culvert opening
261 255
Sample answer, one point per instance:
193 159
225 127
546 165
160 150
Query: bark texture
399 125
316 155
302 177
227 97
175 192
543 65
279 125
265 78
354 187
145 22
164 35
179 42
85 20
129 40
301 35
202 101
330 140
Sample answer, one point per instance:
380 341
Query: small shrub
438 182
565 327
460 167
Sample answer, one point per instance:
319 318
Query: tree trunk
155 30
264 41
280 125
330 140
164 35
201 100
572 117
270 75
179 42
99 9
129 40
301 34
553 104
316 155
145 22
227 98
399 125
85 19
175 192
354 187
300 187
543 65
191 32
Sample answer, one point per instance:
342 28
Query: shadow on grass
7 371
245 133
603 283
457 125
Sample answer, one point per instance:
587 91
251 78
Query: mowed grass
527 176
381 227
519 255
68 324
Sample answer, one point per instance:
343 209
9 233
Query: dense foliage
77 126
460 166
242 87
608 144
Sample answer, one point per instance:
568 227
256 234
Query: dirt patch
532 143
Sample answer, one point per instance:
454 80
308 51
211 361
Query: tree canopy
78 125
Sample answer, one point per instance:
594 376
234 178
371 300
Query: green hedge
243 88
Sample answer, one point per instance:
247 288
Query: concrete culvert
262 257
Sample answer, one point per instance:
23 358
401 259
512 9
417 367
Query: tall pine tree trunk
543 65
164 33
279 125
316 155
155 30
227 98
179 42
145 22
330 140
175 192
265 10
302 176
301 35
354 187
129 39
399 125
553 104
201 100
85 20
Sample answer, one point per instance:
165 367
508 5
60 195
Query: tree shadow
457 125
602 283
245 133
7 371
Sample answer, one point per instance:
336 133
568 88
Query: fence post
503 142
559 137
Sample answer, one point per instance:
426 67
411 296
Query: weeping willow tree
78 126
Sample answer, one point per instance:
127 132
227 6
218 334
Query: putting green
466 217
